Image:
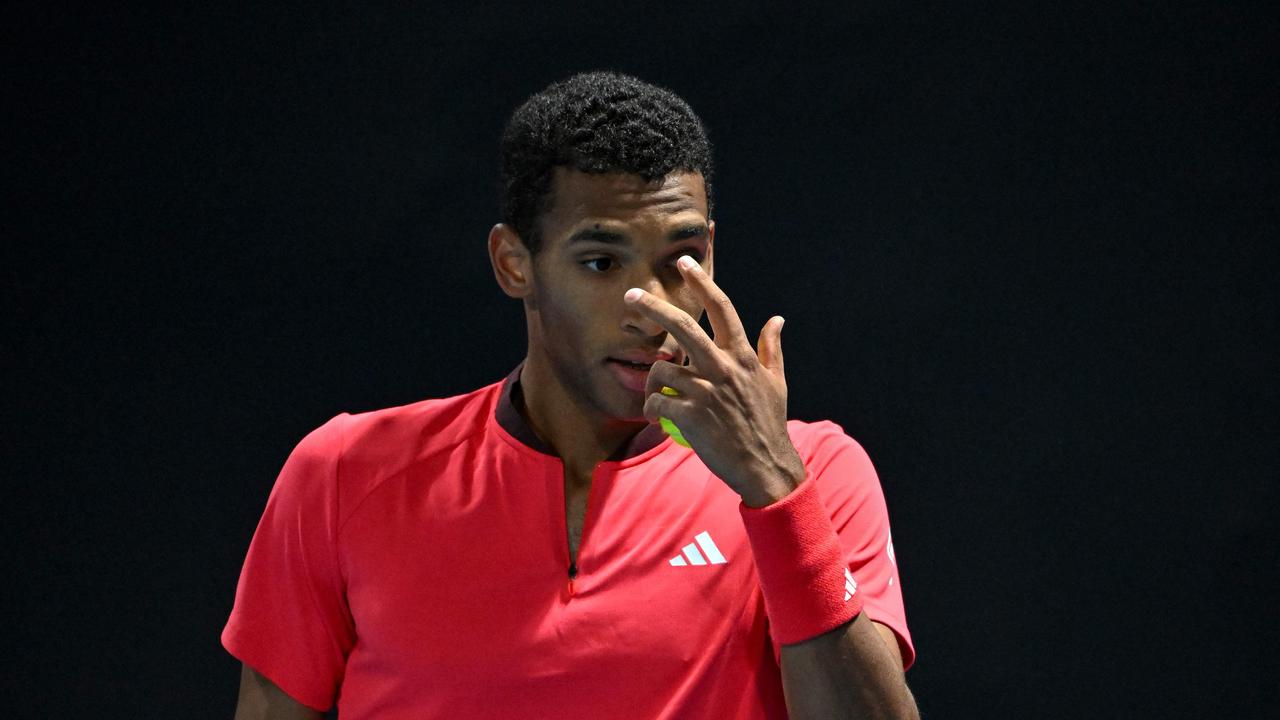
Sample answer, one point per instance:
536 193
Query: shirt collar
514 423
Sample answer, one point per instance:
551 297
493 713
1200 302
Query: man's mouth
634 365
631 374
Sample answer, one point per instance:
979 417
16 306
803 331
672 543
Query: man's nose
634 319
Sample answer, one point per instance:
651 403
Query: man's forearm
848 672
262 699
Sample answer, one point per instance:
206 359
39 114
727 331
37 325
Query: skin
261 699
572 292
610 278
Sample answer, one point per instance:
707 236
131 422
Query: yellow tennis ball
670 427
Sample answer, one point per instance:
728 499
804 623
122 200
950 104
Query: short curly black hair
595 122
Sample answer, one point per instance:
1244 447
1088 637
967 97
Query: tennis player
541 547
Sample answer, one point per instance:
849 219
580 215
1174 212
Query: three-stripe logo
689 555
850 585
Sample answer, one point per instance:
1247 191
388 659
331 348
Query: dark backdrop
1025 253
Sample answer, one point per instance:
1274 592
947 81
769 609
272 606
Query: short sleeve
290 621
851 491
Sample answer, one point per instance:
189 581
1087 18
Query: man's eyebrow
610 237
595 234
687 232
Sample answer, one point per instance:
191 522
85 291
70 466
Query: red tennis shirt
413 563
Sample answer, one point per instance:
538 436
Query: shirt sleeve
290 621
851 491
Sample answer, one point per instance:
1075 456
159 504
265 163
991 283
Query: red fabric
800 567
412 563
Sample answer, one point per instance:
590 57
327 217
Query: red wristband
807 587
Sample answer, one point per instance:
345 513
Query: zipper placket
575 568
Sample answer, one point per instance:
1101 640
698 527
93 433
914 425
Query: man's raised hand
732 406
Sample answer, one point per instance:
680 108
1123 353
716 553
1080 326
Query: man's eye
599 264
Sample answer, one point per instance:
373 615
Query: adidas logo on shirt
689 555
850 585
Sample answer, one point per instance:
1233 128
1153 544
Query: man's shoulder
353 453
810 433
417 426
823 443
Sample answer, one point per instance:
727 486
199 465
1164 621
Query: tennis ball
670 427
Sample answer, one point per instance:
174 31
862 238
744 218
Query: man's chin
632 412
625 406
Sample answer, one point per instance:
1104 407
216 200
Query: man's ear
512 263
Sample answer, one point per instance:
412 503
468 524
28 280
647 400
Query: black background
1025 253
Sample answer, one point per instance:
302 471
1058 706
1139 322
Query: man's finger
677 377
725 323
673 408
769 346
685 329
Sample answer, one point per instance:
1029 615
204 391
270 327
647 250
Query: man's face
603 235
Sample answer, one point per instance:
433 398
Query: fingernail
686 263
633 294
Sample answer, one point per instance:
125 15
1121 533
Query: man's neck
578 433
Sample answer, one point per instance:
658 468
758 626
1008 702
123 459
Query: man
540 547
